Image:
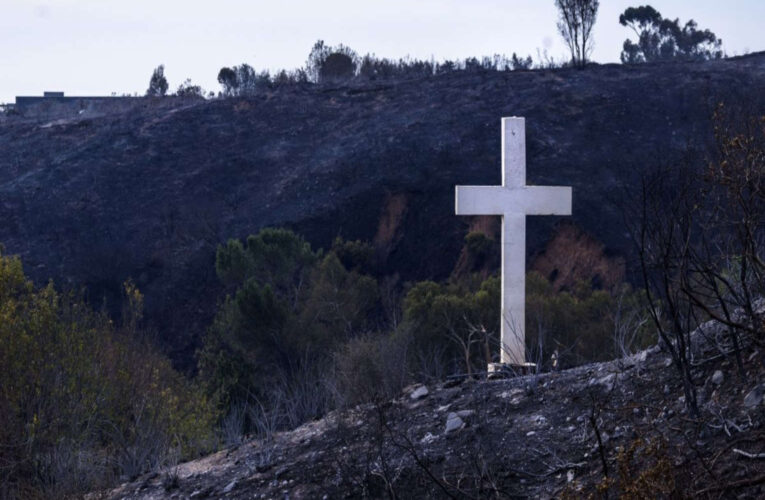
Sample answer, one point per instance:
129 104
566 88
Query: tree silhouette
158 83
576 19
662 39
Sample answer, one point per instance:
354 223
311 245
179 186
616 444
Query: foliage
228 79
287 300
575 23
277 257
582 324
480 251
354 255
643 466
327 64
242 80
342 64
81 401
662 39
337 66
157 83
458 321
519 63
291 310
187 89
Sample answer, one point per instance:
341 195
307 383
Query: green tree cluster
291 311
455 323
81 402
459 322
583 324
286 305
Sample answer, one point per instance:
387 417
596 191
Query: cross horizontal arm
500 200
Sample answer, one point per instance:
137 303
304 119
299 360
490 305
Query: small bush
371 368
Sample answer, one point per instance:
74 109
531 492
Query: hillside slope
618 425
150 192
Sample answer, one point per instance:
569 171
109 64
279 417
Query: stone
754 398
419 393
428 438
230 486
465 414
513 200
453 423
538 420
718 377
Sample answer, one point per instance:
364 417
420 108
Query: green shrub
82 403
286 301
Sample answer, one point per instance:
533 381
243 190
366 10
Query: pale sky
96 47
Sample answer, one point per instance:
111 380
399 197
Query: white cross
513 200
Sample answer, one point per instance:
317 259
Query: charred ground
606 430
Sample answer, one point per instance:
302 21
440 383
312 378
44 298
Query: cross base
509 370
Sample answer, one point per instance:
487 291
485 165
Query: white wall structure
513 200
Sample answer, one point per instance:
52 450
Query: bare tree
577 17
700 235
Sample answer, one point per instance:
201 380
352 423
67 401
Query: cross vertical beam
513 200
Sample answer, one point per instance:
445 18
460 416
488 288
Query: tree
577 17
242 80
187 89
337 66
158 82
662 39
327 63
227 78
316 58
290 307
521 64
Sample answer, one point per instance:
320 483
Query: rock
230 486
718 377
754 398
453 423
538 420
419 393
465 414
428 438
